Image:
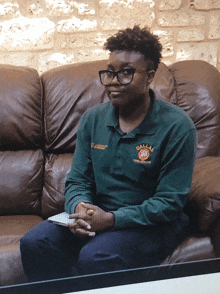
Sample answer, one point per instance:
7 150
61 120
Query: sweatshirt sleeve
80 184
173 186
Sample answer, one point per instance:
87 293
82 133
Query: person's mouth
115 93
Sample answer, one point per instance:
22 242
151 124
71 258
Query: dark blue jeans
51 251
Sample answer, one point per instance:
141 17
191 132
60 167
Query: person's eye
108 73
127 71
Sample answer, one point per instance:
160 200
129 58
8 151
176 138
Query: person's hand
82 210
80 227
91 217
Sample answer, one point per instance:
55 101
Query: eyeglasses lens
123 77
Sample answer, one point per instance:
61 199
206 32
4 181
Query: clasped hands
90 219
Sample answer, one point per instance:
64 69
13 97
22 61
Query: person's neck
131 117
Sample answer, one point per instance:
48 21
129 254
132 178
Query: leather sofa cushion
194 86
204 196
21 181
56 168
197 86
69 91
163 84
12 228
11 270
21 108
191 249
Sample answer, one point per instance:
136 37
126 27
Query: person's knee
30 242
86 256
92 260
27 242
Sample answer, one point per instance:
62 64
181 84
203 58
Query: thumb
90 212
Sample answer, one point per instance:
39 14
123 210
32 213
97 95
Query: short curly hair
136 39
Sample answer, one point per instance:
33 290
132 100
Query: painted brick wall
47 33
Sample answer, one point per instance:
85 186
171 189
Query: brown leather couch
39 118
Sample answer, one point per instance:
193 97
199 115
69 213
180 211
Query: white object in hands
61 219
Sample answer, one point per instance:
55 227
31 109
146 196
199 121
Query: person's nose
115 80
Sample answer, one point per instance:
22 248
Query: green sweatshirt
143 177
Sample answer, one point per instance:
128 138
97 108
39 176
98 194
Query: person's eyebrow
123 65
109 66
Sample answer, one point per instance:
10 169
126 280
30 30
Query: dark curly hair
136 39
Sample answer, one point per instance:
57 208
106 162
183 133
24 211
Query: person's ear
151 74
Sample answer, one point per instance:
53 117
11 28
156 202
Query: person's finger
79 223
76 216
90 212
88 205
83 224
83 232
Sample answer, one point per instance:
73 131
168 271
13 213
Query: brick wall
47 33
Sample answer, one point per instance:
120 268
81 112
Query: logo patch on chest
144 151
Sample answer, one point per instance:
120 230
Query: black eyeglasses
124 76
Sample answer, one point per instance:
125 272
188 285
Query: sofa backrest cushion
68 92
21 140
194 85
20 108
21 181
56 168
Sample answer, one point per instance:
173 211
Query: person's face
135 93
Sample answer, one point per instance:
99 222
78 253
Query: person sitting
130 176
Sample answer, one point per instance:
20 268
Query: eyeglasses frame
115 74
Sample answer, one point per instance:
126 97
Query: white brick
189 34
9 9
181 18
18 59
90 54
59 7
110 23
166 38
127 3
214 32
169 4
201 51
51 60
204 4
75 24
82 40
119 14
85 8
35 8
27 34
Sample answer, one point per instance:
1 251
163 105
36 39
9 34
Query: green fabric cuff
120 220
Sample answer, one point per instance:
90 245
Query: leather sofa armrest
204 197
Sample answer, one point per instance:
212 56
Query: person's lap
52 251
47 251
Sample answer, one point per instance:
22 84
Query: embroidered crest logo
143 154
144 151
